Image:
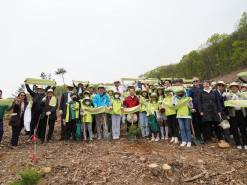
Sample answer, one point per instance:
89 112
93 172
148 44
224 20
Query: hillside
220 55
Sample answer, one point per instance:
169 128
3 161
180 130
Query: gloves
60 112
193 110
44 99
48 113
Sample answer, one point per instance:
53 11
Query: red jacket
130 102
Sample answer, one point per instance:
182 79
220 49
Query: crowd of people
168 110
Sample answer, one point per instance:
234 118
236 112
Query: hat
153 94
86 92
168 89
101 86
221 82
116 92
70 86
39 86
116 81
234 84
132 118
195 79
214 83
50 91
244 85
87 98
131 85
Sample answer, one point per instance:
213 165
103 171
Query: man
65 98
131 101
196 117
48 115
37 95
101 99
117 87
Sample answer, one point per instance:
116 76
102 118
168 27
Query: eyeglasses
22 95
195 81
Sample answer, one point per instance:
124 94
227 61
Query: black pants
15 135
208 127
63 129
173 125
238 124
70 130
41 131
34 122
1 130
197 124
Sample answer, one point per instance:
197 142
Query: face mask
117 96
87 103
181 95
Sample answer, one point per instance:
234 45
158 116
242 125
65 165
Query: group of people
163 111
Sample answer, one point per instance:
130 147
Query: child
152 108
143 120
170 113
87 119
161 114
183 116
71 117
116 115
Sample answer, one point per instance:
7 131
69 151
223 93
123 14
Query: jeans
116 119
87 127
184 125
1 130
143 122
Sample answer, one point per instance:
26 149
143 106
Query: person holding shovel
48 116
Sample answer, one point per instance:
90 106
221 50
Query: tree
61 72
45 76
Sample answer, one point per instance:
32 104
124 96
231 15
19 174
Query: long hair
22 92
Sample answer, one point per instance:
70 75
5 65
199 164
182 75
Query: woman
17 117
209 108
143 120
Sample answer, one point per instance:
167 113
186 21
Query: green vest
116 107
183 110
72 111
144 103
152 107
168 105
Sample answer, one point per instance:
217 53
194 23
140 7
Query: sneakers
183 144
157 139
162 138
176 140
245 147
239 147
172 140
189 144
153 139
166 138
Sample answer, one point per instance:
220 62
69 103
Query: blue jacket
101 100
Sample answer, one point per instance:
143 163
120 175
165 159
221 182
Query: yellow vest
168 105
152 107
75 106
87 117
184 110
116 107
144 103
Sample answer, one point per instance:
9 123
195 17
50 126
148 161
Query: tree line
221 54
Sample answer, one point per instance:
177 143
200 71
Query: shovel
194 139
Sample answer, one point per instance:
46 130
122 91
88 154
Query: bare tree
61 72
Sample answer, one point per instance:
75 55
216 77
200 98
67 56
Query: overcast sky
103 40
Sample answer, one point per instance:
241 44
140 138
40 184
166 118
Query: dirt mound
125 162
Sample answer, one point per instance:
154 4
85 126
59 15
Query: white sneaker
157 139
153 139
162 138
189 144
245 147
166 138
176 140
183 144
172 140
239 147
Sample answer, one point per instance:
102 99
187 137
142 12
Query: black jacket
222 99
209 104
45 107
63 101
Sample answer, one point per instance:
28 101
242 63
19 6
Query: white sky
103 40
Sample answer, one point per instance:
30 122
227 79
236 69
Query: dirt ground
125 162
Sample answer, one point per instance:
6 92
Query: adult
65 98
131 101
101 99
3 108
117 87
48 115
209 108
37 94
17 117
196 117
